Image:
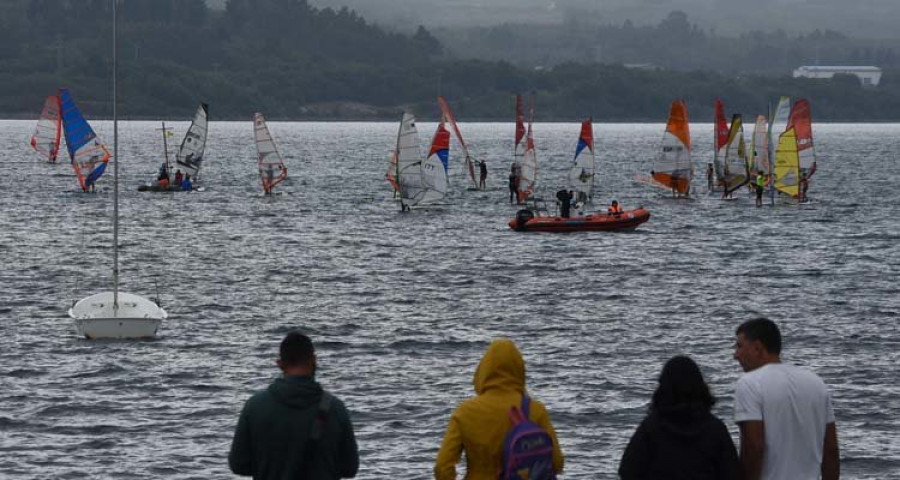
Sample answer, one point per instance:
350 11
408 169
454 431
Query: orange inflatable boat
525 221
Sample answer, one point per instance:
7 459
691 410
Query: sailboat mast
165 147
115 172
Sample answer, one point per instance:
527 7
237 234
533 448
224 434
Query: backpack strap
317 428
526 406
318 424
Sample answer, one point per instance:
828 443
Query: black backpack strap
526 406
318 427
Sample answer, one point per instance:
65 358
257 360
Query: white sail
780 120
190 155
271 166
760 158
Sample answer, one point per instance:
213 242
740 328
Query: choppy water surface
402 306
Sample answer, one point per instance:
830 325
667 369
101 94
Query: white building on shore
868 76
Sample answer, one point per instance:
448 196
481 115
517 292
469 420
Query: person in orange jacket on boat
479 424
614 208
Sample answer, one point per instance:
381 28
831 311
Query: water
402 306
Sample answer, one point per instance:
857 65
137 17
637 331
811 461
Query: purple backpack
527 448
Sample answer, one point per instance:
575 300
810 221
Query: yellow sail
787 164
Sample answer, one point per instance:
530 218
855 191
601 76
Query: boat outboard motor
522 217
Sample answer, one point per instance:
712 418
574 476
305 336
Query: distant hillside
869 19
293 61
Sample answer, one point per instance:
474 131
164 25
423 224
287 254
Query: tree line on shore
293 61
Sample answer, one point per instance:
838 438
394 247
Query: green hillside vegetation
291 61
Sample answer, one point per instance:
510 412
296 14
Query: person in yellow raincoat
479 424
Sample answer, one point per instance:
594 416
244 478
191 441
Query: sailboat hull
136 317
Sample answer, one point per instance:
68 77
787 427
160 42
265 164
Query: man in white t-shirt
784 412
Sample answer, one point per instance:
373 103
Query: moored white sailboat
116 314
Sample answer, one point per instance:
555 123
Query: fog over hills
861 18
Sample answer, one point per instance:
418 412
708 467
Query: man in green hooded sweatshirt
294 429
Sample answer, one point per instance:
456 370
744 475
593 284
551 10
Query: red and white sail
47 134
271 166
527 166
801 121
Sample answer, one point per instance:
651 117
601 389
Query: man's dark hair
681 384
765 331
296 349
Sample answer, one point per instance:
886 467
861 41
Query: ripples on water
402 306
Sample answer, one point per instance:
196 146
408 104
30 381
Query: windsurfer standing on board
482 177
804 186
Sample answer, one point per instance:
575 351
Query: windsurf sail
787 164
780 120
407 162
421 183
271 166
46 136
720 135
190 155
448 117
528 167
672 167
759 159
801 121
777 126
88 154
581 176
736 173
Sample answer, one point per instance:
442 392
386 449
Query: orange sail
672 167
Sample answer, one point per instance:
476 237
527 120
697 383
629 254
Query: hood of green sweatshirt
296 392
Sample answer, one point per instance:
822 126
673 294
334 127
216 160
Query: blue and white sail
88 154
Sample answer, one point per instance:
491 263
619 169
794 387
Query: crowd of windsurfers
295 429
759 184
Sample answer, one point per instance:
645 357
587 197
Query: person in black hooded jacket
680 438
294 429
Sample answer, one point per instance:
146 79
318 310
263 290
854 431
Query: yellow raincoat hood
501 367
479 424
